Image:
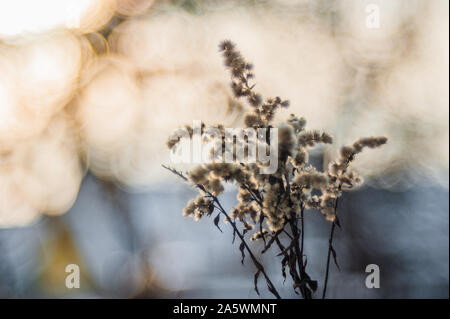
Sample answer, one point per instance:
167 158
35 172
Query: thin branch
333 226
174 171
287 234
306 293
330 248
302 223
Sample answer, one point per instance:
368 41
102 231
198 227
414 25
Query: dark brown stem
302 222
305 291
333 226
287 234
261 221
330 247
296 236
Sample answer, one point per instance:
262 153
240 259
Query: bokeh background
91 89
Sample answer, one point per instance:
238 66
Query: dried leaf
216 222
241 248
292 263
256 281
301 284
313 285
283 267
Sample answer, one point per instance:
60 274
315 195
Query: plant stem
305 292
302 229
330 247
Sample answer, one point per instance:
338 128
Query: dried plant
271 207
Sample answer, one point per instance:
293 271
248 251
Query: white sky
34 16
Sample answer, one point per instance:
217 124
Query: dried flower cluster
273 205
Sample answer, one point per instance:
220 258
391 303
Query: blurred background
91 89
